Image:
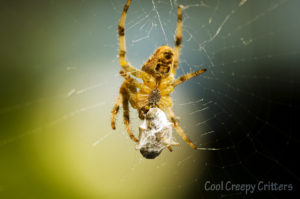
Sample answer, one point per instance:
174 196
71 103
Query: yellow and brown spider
158 76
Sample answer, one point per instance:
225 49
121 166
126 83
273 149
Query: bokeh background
59 80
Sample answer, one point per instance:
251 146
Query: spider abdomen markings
121 30
154 97
163 68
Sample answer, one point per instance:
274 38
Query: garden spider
158 75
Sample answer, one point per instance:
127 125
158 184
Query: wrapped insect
155 134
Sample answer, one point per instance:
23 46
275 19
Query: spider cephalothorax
157 74
154 97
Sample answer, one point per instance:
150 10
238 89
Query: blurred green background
59 80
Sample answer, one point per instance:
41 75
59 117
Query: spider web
61 80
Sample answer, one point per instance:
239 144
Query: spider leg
123 99
133 83
125 103
171 115
178 40
115 111
131 80
186 77
122 54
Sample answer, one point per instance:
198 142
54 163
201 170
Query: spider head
165 55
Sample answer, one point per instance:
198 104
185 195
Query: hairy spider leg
172 117
122 54
125 102
186 77
122 99
124 93
134 83
115 111
127 93
118 103
178 40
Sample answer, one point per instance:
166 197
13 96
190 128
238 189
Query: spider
158 76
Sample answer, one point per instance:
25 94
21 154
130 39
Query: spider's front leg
122 54
171 115
178 40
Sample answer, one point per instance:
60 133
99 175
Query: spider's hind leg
125 102
186 77
171 115
115 111
123 99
